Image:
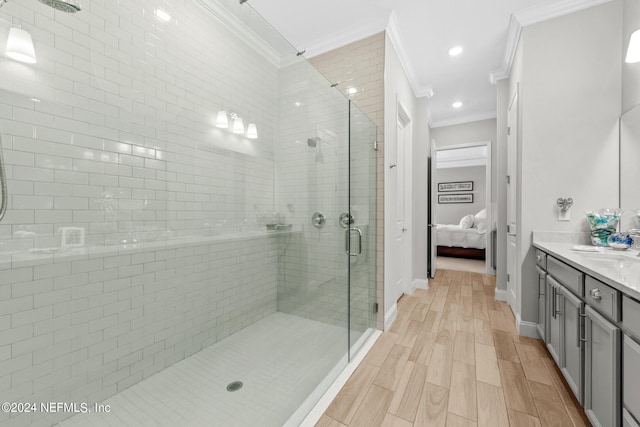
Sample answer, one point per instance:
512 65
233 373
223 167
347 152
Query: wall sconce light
20 46
252 131
633 51
222 121
238 125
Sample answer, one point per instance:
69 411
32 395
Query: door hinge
508 277
375 145
375 307
509 130
508 179
508 228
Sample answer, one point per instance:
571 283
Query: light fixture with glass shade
633 51
222 121
238 125
252 131
20 46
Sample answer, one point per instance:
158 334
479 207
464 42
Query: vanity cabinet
571 344
631 362
601 370
580 325
553 319
542 305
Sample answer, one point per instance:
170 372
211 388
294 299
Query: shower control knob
318 220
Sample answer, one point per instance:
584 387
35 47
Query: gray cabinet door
553 318
631 376
601 370
572 356
542 304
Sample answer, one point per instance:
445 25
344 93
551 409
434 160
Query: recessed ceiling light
352 91
161 14
455 51
457 104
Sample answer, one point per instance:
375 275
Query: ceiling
423 31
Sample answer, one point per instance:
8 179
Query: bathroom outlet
564 215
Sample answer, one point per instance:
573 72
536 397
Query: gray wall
569 72
452 213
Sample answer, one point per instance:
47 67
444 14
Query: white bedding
454 235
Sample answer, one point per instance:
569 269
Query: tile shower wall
111 132
360 65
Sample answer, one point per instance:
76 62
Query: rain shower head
68 6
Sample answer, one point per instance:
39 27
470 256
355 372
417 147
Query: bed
468 239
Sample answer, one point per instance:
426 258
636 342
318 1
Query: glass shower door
361 231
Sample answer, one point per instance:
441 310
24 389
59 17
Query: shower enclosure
190 228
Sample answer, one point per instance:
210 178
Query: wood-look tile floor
453 358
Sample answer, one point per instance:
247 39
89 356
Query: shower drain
234 386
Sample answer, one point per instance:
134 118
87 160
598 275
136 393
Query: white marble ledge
20 259
618 269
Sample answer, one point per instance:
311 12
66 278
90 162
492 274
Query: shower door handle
347 233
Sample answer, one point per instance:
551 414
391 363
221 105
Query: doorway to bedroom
460 208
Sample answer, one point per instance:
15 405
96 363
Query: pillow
480 220
467 221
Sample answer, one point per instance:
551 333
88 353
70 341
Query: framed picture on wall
455 186
444 199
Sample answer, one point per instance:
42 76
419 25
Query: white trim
500 294
321 406
466 119
526 329
530 16
241 30
420 284
396 42
513 36
390 316
555 9
341 39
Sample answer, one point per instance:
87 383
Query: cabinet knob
539 258
596 294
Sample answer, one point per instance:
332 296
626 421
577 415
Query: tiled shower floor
280 359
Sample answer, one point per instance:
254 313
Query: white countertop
618 269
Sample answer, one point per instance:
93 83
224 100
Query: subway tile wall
112 133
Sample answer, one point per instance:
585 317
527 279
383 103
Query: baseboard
420 284
501 294
390 316
527 329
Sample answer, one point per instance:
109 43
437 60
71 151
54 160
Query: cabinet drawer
631 376
566 275
602 297
631 315
541 259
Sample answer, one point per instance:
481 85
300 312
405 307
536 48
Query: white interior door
512 183
433 203
400 204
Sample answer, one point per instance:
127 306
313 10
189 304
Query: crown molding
338 40
530 16
242 31
513 36
401 52
554 9
464 119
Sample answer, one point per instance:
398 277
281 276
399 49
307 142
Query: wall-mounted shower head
312 142
67 6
